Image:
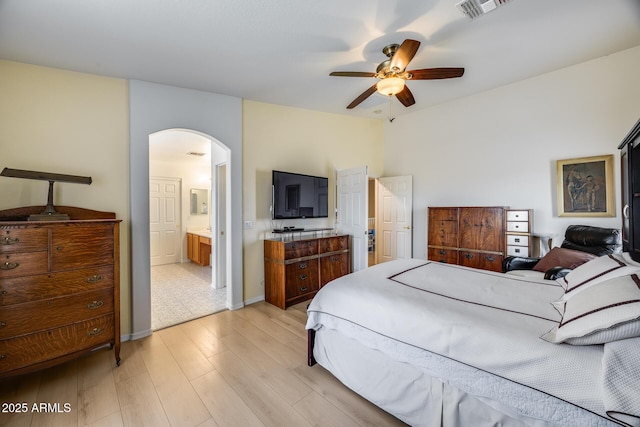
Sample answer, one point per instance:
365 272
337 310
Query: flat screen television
299 196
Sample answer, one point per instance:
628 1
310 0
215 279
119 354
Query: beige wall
500 147
70 123
301 141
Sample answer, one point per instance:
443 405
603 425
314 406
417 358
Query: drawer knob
95 304
302 265
94 332
9 241
303 289
4 293
303 277
3 324
9 265
3 356
441 252
468 256
95 278
490 258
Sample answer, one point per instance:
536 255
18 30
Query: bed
443 345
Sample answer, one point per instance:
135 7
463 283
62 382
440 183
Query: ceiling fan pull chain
391 118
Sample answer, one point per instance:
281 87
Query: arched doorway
187 239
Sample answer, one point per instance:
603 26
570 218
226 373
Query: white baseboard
136 335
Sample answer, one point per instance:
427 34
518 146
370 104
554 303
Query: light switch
248 225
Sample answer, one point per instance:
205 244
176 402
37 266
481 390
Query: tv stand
295 269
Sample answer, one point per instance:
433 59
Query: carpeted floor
182 292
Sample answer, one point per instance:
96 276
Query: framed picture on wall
585 186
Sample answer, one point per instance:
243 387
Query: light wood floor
235 368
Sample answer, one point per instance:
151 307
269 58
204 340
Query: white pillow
604 312
595 271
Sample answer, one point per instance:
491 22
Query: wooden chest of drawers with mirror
59 287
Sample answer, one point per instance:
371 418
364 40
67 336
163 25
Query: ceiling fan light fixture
390 86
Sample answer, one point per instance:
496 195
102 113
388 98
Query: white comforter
476 330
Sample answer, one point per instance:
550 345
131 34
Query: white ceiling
282 51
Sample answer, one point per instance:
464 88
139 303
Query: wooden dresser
469 236
59 287
294 270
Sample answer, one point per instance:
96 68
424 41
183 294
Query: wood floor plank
23 388
179 400
270 408
319 412
281 379
192 362
206 341
263 322
225 405
112 420
97 395
139 403
286 354
58 387
349 402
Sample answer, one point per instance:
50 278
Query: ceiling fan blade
404 55
364 95
436 73
352 74
406 97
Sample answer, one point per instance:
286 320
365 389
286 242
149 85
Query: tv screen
299 196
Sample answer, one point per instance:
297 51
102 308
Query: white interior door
164 220
351 216
394 218
220 226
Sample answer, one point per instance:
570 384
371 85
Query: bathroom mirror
199 201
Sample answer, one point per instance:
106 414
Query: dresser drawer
26 350
518 227
333 244
78 246
518 216
517 240
17 290
518 251
301 278
448 256
29 317
333 266
23 240
23 264
300 249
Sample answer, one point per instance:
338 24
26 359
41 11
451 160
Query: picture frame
585 186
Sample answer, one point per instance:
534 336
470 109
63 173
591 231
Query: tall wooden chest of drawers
294 270
59 288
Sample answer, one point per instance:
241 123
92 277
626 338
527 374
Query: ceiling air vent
474 8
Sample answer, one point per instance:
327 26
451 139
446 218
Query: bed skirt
404 390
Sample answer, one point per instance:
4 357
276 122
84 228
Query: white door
351 215
394 218
220 226
164 220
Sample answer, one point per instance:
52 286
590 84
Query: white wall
500 147
152 108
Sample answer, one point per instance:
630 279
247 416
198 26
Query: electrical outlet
248 225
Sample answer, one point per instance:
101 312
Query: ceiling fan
392 74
